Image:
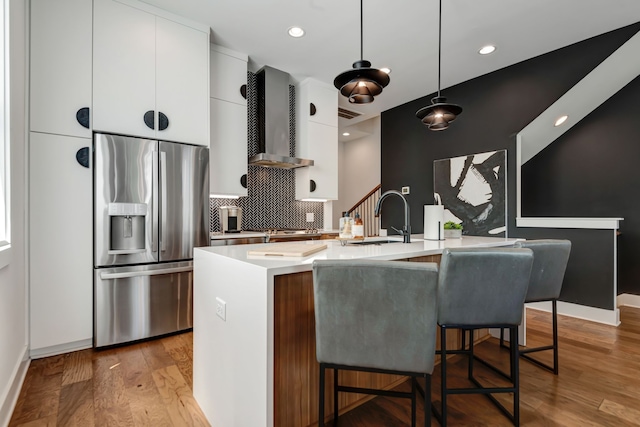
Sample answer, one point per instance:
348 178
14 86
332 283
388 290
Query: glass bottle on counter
346 227
358 227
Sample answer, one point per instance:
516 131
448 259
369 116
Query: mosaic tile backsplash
271 192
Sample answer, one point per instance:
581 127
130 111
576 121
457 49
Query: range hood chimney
274 122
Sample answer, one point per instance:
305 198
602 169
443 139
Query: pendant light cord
361 34
439 42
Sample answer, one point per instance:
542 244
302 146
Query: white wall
359 169
13 282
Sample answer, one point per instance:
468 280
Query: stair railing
366 207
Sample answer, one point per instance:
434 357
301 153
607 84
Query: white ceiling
401 35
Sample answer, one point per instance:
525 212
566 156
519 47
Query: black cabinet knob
149 119
243 180
164 121
243 91
312 185
82 116
312 109
82 156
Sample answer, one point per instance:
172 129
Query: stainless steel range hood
274 122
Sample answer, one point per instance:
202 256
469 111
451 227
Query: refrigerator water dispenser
127 222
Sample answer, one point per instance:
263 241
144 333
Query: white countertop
386 251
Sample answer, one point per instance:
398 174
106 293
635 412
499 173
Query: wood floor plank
133 365
76 404
146 404
183 360
114 416
177 397
40 393
50 421
108 380
628 413
77 367
155 355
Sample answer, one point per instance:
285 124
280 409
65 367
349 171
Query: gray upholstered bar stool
375 316
550 258
482 288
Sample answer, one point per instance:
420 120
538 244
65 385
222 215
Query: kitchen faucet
406 230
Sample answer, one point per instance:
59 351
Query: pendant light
361 83
440 113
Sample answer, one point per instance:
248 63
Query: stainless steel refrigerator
150 211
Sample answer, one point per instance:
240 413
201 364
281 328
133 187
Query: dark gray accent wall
496 107
589 275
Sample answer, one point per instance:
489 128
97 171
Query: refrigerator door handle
129 274
163 200
154 204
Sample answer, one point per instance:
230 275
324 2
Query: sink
374 242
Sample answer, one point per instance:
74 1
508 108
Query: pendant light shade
362 83
440 113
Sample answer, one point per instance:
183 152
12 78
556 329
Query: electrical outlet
221 309
310 217
405 190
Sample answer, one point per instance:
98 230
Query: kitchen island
254 334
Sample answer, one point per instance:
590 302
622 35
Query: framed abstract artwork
473 190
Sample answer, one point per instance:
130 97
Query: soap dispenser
346 227
358 227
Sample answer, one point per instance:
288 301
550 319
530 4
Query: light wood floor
149 384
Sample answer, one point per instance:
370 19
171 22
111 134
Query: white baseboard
628 300
13 390
54 350
593 314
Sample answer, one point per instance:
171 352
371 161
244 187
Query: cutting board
297 249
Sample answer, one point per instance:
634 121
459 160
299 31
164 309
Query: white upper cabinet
123 68
228 75
317 139
182 82
319 103
320 181
150 74
60 94
228 150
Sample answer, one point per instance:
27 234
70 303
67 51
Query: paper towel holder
434 221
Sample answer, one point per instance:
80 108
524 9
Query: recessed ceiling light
296 32
385 70
346 134
561 120
487 50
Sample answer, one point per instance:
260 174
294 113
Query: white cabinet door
61 246
320 145
123 68
182 82
228 150
228 75
60 66
320 102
